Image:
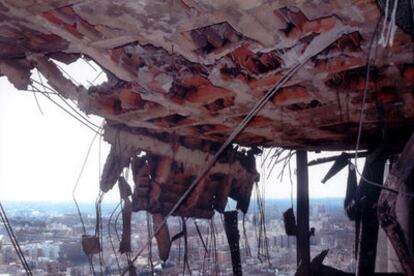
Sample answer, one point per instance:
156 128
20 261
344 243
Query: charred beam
233 237
368 225
162 237
303 245
323 160
114 164
317 268
387 206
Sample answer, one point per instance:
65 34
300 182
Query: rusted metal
387 203
303 236
368 226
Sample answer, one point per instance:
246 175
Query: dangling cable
214 243
90 258
110 236
207 253
186 265
14 241
246 240
79 117
98 229
200 236
116 223
149 232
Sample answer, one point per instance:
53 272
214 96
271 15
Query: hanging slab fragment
319 269
163 237
387 206
115 162
141 172
124 188
233 237
166 171
350 201
90 245
125 245
290 222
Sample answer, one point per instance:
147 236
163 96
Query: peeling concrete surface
195 68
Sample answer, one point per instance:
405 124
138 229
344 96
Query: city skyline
50 242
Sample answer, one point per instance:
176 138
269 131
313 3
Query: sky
41 155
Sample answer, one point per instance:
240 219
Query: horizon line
113 201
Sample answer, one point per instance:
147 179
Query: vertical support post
387 207
302 238
368 222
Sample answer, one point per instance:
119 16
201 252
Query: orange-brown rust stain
260 121
108 105
116 54
244 57
195 81
47 41
50 16
359 84
265 82
387 97
291 95
218 129
130 99
206 94
319 25
297 24
89 29
408 75
339 64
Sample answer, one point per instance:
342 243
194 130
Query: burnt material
340 163
290 222
125 245
162 237
368 233
125 192
187 73
91 245
404 16
350 201
317 268
167 169
303 243
112 169
387 206
233 237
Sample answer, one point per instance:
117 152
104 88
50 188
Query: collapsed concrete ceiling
183 74
195 68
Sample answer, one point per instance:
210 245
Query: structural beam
318 268
387 206
368 224
302 238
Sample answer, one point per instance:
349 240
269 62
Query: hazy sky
41 156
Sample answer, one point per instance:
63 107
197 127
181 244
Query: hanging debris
125 192
351 200
233 237
289 220
162 237
91 245
164 173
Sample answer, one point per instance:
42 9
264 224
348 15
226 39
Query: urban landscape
50 237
